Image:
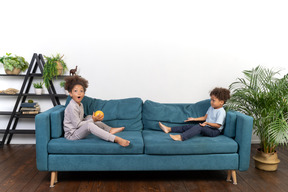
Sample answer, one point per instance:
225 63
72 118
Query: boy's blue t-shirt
216 116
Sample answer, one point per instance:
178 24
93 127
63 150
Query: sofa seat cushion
94 145
160 143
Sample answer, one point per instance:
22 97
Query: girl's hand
99 117
190 119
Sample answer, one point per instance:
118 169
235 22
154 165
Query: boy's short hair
221 93
71 81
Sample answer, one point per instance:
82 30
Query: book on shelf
29 105
30 112
30 108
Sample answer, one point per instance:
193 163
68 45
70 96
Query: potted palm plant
263 96
53 67
14 65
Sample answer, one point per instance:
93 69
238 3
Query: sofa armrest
43 136
57 119
244 126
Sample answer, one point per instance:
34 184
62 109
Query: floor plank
18 172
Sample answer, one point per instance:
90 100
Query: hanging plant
53 67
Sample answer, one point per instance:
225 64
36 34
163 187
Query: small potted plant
62 84
38 88
14 65
53 67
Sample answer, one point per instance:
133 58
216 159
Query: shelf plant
62 84
53 67
14 65
263 96
38 85
38 88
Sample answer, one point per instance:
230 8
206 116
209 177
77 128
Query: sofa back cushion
175 114
117 113
171 114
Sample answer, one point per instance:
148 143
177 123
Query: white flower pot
38 91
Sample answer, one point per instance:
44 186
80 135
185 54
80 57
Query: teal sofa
150 149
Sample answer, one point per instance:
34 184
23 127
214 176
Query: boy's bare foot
176 137
116 130
122 142
164 128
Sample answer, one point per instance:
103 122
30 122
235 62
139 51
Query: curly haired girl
76 126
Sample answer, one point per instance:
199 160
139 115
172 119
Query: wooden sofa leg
233 174
229 176
234 177
54 178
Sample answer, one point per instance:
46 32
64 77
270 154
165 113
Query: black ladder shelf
15 114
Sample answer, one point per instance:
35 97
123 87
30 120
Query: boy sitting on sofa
76 126
213 120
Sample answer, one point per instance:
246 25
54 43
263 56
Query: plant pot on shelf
266 161
15 71
38 91
13 65
59 68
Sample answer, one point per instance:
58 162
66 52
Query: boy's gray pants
98 129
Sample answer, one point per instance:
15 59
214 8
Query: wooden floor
18 172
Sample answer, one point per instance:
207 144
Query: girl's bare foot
116 130
122 142
176 137
164 128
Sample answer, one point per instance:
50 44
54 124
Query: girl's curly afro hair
71 81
